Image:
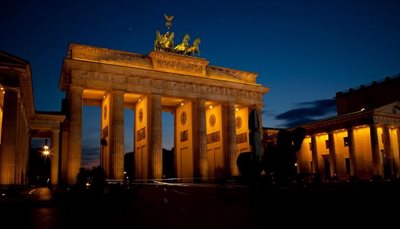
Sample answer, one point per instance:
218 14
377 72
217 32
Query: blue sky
304 51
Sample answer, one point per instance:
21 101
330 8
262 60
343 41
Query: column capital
55 131
117 92
75 88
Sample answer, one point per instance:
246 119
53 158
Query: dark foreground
203 206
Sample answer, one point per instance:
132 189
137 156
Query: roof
15 72
385 115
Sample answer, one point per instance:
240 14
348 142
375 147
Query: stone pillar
352 152
64 151
376 154
260 130
75 133
8 138
398 146
231 139
155 147
332 154
314 154
55 138
26 152
202 139
387 152
19 147
116 138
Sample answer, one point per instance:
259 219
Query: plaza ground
181 205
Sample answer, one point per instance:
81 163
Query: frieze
88 53
213 137
187 88
141 134
177 63
232 73
241 138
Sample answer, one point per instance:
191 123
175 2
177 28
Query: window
346 141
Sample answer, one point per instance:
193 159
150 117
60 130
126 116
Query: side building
19 122
362 141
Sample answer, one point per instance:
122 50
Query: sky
304 51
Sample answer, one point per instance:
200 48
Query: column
398 145
116 129
19 149
260 131
231 139
155 146
352 152
55 136
8 138
314 155
388 153
332 154
376 155
64 151
75 133
202 158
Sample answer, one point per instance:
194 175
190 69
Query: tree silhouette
280 159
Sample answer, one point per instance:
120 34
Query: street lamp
46 150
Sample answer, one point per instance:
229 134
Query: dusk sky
304 51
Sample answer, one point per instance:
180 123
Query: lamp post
46 155
46 150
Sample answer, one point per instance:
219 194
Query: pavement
187 205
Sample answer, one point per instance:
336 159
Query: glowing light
236 109
182 103
211 106
363 109
295 164
140 100
46 149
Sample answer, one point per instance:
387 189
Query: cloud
90 156
308 112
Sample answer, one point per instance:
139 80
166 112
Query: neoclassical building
19 122
211 106
362 140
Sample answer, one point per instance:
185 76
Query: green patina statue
165 42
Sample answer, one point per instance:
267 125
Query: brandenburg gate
211 106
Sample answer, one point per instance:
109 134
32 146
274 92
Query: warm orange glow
362 126
46 151
182 104
211 106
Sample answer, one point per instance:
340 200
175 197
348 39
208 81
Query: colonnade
148 135
361 151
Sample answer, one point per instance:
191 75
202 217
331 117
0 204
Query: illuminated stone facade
19 122
363 140
362 144
210 104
